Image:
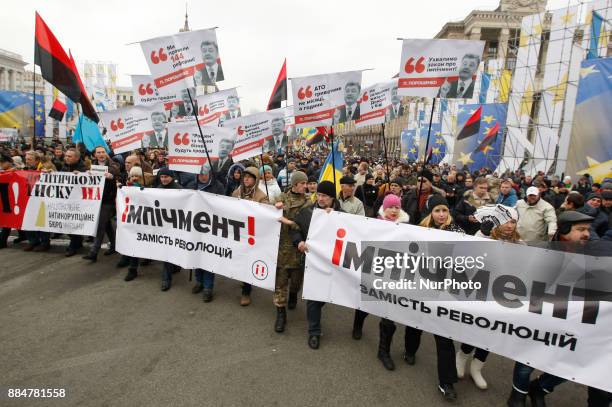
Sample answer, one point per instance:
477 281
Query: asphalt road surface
69 325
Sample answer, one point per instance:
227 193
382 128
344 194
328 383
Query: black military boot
537 394
516 399
281 319
292 303
132 274
384 344
358 324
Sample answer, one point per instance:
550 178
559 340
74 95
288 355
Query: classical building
12 71
499 28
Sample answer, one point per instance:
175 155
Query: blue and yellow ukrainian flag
328 169
16 111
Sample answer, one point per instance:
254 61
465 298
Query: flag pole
426 161
331 134
195 114
386 157
264 171
33 107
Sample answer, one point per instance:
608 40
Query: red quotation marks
161 56
304 93
251 230
145 90
240 130
364 97
181 139
411 67
338 246
203 110
117 125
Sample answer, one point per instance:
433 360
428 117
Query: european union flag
437 147
409 145
590 149
16 111
483 149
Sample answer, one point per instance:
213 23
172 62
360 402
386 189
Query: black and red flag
488 139
59 69
57 110
279 93
471 126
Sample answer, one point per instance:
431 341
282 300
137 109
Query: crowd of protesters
542 208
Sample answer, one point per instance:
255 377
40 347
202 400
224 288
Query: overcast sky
316 36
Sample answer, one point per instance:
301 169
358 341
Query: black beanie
327 187
433 201
165 171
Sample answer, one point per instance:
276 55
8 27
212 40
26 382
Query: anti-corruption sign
439 68
186 151
375 104
135 127
233 237
553 311
325 100
58 202
184 60
255 133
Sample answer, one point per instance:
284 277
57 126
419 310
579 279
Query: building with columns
499 28
12 71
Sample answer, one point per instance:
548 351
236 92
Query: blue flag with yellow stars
437 147
484 148
16 111
590 149
409 145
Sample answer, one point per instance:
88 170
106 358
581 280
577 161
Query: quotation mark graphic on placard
181 139
417 67
304 93
364 97
240 131
203 110
117 125
145 90
161 56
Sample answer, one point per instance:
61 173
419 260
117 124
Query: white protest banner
135 127
537 306
63 202
375 104
98 169
184 60
232 237
215 108
186 151
323 100
254 130
146 93
439 68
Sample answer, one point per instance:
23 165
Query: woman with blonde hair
438 217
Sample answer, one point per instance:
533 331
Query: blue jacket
508 200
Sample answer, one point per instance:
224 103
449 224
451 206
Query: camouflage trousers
287 280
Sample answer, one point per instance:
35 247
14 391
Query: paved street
110 343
